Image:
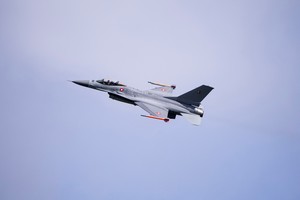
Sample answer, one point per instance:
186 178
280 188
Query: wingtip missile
163 85
158 118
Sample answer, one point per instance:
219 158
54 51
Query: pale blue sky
62 141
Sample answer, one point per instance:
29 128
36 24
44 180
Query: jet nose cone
82 83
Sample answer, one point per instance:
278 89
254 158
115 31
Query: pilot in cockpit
109 82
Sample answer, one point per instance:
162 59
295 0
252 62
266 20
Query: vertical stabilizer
196 95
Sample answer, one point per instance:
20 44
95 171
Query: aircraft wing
163 89
154 111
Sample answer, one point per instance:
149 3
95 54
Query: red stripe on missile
154 117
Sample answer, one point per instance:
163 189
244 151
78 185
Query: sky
62 141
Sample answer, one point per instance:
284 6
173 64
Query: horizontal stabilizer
192 118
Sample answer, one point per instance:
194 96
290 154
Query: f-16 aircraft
158 102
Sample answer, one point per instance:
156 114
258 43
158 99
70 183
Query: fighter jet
158 102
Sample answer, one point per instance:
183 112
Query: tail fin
196 95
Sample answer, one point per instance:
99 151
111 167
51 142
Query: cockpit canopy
109 82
